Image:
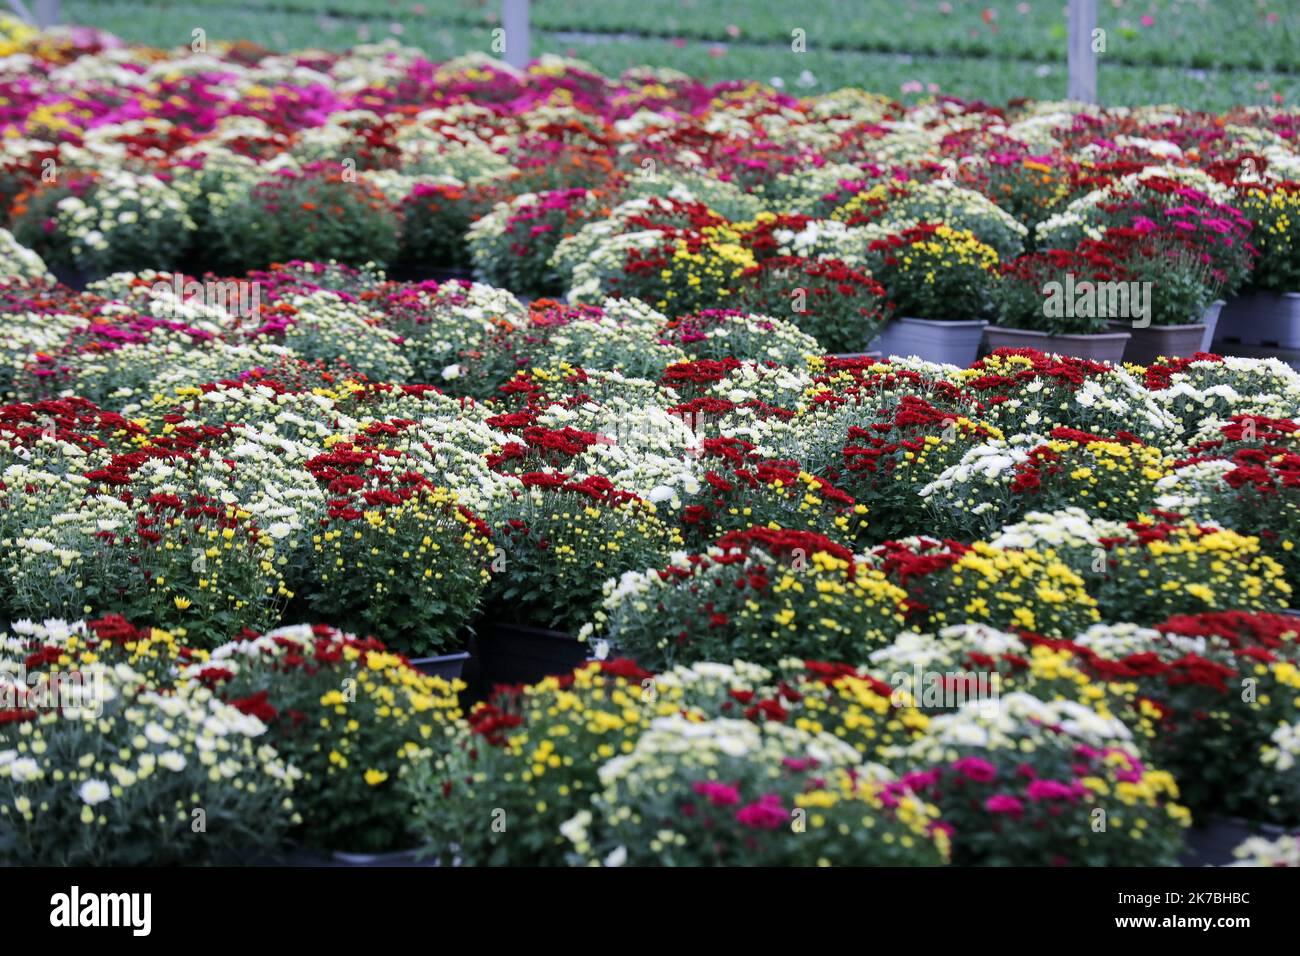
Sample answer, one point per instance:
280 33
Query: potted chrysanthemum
842 307
560 536
1176 282
1267 314
941 281
352 716
1058 301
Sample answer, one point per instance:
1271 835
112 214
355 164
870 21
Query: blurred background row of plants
1206 54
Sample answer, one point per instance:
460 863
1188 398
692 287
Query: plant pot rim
1257 826
1068 336
439 658
301 855
409 854
1185 327
966 323
486 629
1248 293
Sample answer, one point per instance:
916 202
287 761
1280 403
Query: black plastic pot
446 666
396 858
72 277
519 654
301 856
409 273
1213 843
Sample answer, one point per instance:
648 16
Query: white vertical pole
514 19
19 8
1083 62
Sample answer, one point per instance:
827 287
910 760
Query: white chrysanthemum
94 792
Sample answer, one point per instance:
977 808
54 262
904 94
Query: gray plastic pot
854 355
1262 318
1213 313
1100 347
953 343
1172 341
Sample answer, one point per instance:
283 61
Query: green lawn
1202 53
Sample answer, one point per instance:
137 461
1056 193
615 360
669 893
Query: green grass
170 24
989 80
1198 33
1209 54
